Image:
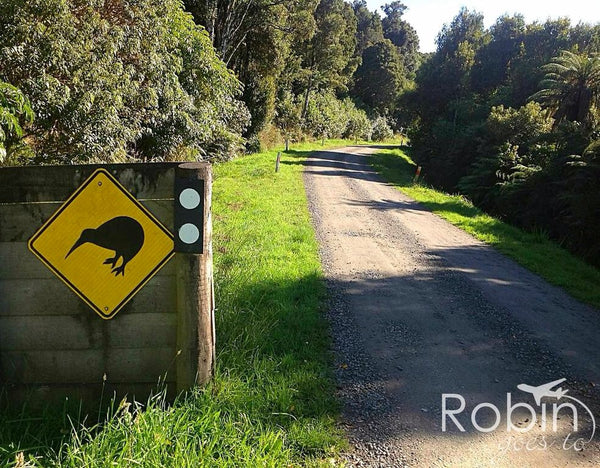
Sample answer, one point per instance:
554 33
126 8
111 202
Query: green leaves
571 86
15 111
329 117
379 79
381 129
115 81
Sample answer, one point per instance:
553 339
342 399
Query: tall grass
271 402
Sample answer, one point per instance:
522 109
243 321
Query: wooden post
417 174
277 161
287 143
195 312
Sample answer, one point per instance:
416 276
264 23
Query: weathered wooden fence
52 344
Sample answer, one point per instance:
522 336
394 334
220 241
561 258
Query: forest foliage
513 123
117 80
111 80
506 115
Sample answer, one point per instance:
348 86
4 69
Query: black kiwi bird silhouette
122 234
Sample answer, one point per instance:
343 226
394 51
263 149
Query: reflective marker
189 199
189 233
188 211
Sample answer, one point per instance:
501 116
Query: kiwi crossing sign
103 243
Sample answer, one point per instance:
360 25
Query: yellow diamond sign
103 244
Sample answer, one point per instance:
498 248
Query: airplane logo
544 390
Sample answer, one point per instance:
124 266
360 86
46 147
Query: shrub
253 144
359 125
381 130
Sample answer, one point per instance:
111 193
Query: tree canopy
379 78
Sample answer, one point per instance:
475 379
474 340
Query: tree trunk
306 96
211 18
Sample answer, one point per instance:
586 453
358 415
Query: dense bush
329 117
359 125
287 115
108 81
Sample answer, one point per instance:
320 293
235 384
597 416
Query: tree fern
571 87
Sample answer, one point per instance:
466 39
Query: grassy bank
271 402
533 251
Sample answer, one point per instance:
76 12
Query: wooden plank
20 221
41 297
57 183
40 367
17 262
141 365
87 331
49 333
38 396
146 330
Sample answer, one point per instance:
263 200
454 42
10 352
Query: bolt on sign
103 244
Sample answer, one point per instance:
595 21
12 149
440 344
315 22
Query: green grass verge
533 251
271 402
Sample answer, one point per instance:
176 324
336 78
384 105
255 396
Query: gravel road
419 309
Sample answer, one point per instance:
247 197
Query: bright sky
428 16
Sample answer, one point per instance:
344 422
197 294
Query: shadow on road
330 163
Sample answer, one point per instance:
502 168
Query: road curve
419 309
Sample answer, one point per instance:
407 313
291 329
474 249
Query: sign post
193 255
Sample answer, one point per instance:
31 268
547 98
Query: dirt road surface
420 309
